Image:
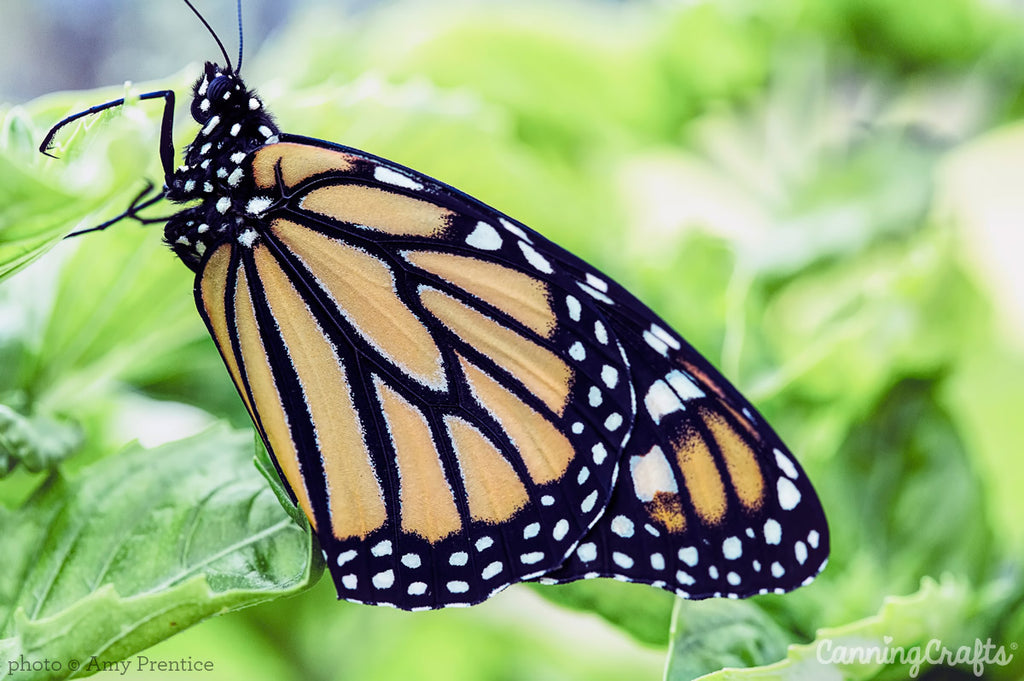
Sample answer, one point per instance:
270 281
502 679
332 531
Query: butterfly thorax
234 123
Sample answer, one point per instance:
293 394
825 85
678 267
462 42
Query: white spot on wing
789 495
684 578
785 464
651 474
656 343
561 529
688 555
535 258
484 237
258 204
417 589
532 557
346 556
661 401
587 552
610 376
594 293
598 283
732 548
772 531
684 387
247 238
665 336
384 580
622 526
492 570
574 308
385 174
622 560
515 229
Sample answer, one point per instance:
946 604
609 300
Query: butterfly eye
218 87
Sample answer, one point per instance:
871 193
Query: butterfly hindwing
446 408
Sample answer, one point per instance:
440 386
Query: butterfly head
234 123
217 91
216 171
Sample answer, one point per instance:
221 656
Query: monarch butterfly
455 402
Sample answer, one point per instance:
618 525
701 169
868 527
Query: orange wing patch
543 448
540 370
703 482
298 162
355 497
213 287
493 490
378 209
740 461
427 503
518 295
268 404
363 288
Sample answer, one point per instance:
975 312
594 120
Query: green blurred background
824 197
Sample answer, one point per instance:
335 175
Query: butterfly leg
137 204
166 125
166 156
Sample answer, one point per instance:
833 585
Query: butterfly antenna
209 28
240 38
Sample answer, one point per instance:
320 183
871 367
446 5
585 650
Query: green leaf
141 545
641 611
39 441
909 623
903 486
714 633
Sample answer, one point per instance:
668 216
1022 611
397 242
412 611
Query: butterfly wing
708 501
434 391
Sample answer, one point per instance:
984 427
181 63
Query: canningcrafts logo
934 653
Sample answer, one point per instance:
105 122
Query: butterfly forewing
708 501
448 409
